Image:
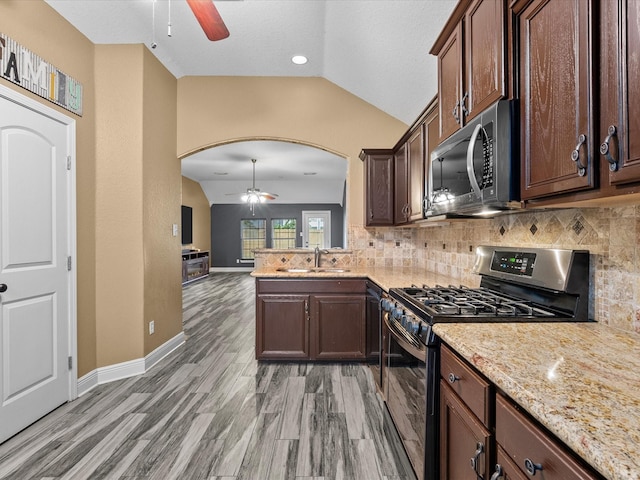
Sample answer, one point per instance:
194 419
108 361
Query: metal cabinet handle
476 455
606 150
455 112
371 214
453 378
465 111
3 287
531 467
497 474
575 155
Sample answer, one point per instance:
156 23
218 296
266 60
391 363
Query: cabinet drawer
526 443
312 285
470 387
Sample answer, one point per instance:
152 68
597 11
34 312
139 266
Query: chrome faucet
316 257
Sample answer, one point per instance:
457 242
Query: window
253 235
283 233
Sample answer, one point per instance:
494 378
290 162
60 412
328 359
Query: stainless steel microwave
476 171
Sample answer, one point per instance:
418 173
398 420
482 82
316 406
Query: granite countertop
580 380
386 278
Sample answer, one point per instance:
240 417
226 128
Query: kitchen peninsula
578 380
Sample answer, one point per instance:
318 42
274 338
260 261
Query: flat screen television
187 225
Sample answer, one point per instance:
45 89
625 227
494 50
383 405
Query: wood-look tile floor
211 411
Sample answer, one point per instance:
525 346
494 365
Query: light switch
175 229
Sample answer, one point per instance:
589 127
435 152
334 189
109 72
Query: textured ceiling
375 49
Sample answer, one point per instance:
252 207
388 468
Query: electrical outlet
152 327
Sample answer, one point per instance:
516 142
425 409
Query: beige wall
119 214
40 29
314 111
194 197
161 206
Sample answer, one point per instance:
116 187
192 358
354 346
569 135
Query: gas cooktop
517 285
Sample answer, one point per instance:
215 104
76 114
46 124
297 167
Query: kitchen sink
315 269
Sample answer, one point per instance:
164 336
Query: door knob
3 287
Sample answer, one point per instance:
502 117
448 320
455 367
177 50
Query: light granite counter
580 380
386 278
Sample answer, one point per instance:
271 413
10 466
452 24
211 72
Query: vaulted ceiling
375 49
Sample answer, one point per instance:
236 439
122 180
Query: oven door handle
470 170
420 353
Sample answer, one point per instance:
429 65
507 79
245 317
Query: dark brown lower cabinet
465 443
338 323
282 327
306 319
533 451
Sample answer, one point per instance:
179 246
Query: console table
195 265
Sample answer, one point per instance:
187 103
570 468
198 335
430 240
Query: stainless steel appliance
517 285
476 170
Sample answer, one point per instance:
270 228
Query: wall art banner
21 66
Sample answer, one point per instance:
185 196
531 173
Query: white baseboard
231 269
128 369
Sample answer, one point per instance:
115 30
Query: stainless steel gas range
517 285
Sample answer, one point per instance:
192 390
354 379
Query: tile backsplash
610 234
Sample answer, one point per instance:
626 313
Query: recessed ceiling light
310 173
299 59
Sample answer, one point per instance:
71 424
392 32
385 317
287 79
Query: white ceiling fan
255 195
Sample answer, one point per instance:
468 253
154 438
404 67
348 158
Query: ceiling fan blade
209 19
269 196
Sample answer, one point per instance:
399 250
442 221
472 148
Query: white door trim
47 111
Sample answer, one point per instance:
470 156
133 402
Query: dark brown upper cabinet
471 62
379 188
619 92
401 185
555 89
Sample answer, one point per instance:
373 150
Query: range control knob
397 312
387 304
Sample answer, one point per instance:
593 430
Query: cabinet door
416 162
620 90
373 315
379 189
465 444
556 97
484 56
401 185
338 327
450 84
282 327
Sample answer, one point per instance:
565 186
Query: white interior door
316 228
35 222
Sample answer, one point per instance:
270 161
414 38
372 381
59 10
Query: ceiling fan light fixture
299 59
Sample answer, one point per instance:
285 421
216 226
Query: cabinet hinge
68 162
69 263
70 362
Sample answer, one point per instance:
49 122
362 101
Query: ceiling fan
209 19
255 195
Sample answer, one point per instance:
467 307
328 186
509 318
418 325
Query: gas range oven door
409 377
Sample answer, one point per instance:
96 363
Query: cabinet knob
531 467
575 155
606 150
453 378
3 287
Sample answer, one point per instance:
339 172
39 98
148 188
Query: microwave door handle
470 148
